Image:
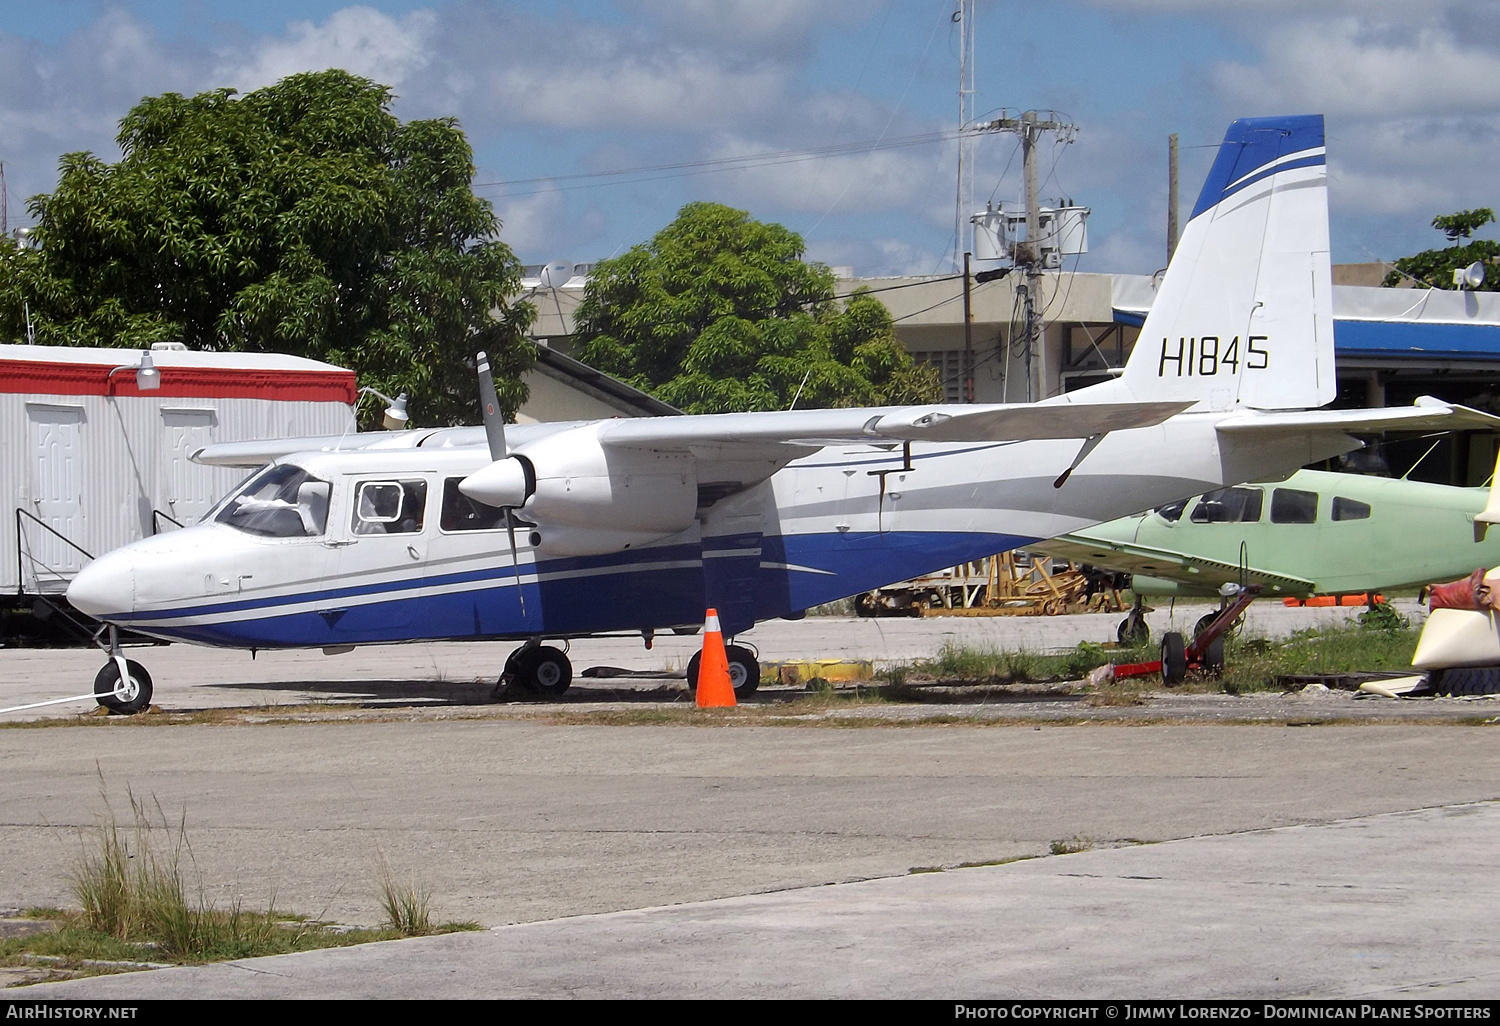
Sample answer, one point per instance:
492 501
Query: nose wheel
133 697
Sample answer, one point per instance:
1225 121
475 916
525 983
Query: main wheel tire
542 670
136 695
1213 659
1133 631
744 670
1468 681
1173 658
1208 618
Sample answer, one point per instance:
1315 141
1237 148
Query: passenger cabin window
1172 511
1350 509
389 507
1290 506
461 513
282 501
1228 506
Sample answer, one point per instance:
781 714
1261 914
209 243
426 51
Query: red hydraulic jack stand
1204 654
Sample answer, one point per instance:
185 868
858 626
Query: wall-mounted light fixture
395 412
147 377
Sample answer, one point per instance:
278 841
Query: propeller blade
489 407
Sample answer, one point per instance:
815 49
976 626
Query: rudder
1244 314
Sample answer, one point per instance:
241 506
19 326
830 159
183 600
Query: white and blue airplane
556 531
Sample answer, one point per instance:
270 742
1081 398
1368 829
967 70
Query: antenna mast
963 16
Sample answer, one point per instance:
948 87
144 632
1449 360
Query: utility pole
1028 255
968 337
1171 195
4 203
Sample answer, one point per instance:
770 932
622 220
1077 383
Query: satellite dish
1470 277
555 273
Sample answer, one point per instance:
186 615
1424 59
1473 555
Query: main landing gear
744 670
538 670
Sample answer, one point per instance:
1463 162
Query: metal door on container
189 488
49 562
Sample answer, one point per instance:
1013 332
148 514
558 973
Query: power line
653 172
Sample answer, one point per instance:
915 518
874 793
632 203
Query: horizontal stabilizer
1427 414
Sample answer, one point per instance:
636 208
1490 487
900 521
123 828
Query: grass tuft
1071 845
136 909
407 906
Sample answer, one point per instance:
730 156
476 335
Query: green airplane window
1290 506
1350 509
1228 506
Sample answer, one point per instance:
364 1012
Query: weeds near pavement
129 884
1071 846
1383 617
137 909
408 906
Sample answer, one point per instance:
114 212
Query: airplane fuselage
395 553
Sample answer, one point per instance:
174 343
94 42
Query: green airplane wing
1192 571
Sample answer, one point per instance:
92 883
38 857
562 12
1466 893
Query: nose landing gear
132 697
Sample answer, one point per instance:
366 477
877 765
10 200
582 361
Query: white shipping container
90 462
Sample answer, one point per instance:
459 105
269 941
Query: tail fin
1244 315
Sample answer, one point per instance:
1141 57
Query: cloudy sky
555 94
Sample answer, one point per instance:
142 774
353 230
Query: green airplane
1314 533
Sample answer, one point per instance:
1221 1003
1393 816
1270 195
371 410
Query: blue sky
546 89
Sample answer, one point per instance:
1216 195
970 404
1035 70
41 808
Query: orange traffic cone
714 687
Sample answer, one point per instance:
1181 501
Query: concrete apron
1389 906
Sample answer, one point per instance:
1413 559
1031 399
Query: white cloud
880 257
1349 66
845 183
531 224
610 88
778 27
360 40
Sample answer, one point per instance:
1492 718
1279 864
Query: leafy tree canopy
1435 267
301 218
719 313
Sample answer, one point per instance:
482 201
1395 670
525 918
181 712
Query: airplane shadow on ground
454 693
593 690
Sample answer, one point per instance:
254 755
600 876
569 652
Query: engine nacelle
587 499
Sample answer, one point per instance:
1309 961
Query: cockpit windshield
282 501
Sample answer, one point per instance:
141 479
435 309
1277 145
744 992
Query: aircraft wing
1426 414
1194 571
259 452
943 423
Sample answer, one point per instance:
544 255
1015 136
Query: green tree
301 218
719 313
1435 267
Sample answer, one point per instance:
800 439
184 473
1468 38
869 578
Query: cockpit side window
1229 506
461 513
1172 511
283 501
389 507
